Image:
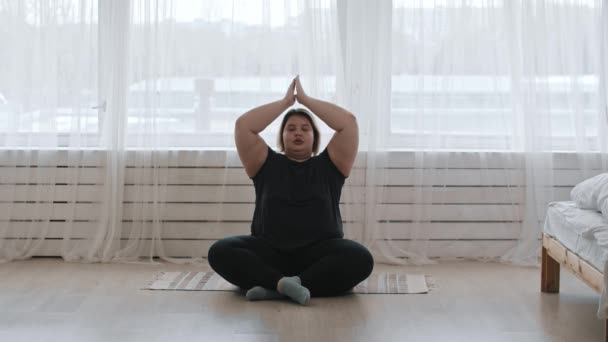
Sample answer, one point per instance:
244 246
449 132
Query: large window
465 74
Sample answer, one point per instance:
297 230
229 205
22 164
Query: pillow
586 194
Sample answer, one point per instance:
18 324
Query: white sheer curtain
461 106
48 87
514 82
193 68
146 86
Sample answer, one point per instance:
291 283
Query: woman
296 248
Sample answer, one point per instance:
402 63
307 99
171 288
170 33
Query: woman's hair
304 113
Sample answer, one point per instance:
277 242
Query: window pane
196 66
48 63
472 74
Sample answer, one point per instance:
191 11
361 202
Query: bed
577 240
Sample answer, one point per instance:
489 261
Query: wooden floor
49 300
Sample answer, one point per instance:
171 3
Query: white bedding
579 230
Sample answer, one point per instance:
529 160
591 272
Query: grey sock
292 287
260 293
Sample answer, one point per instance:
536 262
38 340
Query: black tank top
297 203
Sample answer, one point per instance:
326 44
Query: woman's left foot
292 287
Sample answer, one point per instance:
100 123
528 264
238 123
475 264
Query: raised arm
344 145
251 147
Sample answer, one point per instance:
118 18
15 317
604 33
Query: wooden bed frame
556 255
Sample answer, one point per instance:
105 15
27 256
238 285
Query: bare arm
344 145
251 147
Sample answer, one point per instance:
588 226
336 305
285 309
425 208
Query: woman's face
298 137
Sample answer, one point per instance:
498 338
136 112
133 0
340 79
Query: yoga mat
384 283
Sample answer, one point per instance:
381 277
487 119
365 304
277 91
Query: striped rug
388 283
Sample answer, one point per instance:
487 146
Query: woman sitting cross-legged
296 248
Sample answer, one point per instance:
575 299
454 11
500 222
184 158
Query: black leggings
326 268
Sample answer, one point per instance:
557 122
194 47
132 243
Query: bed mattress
575 229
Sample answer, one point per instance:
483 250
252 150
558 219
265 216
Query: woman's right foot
260 293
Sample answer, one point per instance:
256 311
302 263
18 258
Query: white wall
457 217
